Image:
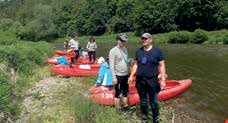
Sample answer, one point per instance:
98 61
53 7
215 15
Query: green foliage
198 37
204 14
7 38
216 37
85 110
21 55
48 19
42 19
225 40
122 21
179 37
8 8
5 24
155 16
41 27
62 16
15 27
91 18
5 92
18 60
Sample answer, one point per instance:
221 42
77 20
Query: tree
204 14
155 16
41 27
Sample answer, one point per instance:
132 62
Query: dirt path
48 100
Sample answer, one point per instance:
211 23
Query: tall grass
86 111
19 61
217 37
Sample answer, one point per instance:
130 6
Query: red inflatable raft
226 121
105 95
80 60
61 52
76 70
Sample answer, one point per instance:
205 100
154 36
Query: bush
8 105
225 40
16 27
118 25
198 36
84 111
41 27
38 30
23 56
5 24
5 91
179 37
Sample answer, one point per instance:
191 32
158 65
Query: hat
122 37
146 35
100 60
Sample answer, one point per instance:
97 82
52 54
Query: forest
49 19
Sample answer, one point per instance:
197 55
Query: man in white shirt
73 43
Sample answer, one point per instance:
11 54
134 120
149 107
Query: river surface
206 65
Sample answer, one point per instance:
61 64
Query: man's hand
130 79
114 82
162 84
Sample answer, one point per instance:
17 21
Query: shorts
121 86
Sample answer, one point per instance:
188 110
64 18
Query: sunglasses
122 40
144 38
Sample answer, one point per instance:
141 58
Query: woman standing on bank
92 46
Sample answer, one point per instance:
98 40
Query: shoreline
45 96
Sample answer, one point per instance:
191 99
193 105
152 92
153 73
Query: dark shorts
92 53
121 86
77 54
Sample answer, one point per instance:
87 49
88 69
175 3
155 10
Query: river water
206 65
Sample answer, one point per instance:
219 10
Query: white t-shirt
73 43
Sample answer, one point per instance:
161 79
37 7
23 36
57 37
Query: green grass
21 63
217 37
214 37
85 111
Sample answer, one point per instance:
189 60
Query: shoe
126 108
119 110
145 119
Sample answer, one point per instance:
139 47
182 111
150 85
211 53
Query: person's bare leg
117 104
125 102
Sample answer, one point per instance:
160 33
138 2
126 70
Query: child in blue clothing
62 60
104 75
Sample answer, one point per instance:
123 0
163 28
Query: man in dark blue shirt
149 62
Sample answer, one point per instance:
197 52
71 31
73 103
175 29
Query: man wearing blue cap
118 60
149 61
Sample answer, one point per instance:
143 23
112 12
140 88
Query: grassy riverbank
20 67
56 99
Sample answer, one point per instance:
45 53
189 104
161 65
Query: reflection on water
206 65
